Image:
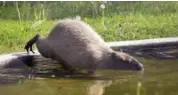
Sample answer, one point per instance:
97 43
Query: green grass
116 28
13 36
118 21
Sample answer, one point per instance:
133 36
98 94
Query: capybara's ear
113 55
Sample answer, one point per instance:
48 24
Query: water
159 78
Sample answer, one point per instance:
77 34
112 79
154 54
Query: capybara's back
77 43
80 46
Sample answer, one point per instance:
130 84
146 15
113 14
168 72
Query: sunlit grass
114 21
116 28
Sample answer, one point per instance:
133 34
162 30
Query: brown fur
80 46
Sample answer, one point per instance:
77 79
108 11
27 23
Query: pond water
159 78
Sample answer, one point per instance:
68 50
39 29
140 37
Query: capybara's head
123 61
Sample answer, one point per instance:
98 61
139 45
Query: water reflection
159 78
60 84
98 87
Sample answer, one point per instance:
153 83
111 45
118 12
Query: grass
115 29
135 20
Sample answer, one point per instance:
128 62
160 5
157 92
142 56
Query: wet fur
30 43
